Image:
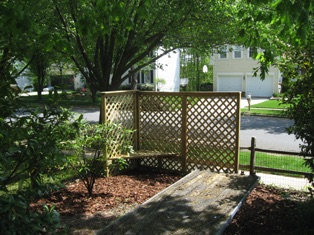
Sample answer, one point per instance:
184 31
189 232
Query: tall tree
105 39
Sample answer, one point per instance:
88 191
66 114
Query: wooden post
136 125
238 123
253 156
184 133
102 118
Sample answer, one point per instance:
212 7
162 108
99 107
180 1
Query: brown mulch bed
267 210
270 210
112 197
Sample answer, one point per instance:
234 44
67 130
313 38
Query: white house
170 71
167 70
233 71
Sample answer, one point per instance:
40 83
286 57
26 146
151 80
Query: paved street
270 133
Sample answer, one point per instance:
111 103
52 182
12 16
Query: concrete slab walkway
244 102
284 181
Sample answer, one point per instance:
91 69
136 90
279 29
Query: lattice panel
116 140
162 163
212 133
202 128
120 110
160 124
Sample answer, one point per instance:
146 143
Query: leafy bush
16 217
93 146
206 87
31 145
146 87
299 68
30 153
140 87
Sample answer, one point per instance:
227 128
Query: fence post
183 132
252 157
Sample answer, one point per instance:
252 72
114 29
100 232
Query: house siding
243 67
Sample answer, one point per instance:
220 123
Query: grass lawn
283 162
267 108
264 112
270 104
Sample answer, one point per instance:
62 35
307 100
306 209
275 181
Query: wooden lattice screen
201 128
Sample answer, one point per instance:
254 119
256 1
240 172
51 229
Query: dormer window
237 52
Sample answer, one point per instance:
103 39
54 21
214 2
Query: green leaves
17 218
93 146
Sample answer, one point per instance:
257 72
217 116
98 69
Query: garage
229 83
258 88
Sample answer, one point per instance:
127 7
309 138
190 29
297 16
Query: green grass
267 108
59 178
264 112
270 104
283 162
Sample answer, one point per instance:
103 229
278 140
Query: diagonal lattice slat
211 133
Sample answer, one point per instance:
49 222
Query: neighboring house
167 70
233 71
166 73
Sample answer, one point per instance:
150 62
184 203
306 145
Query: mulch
267 210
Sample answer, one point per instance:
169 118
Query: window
144 76
237 52
252 52
223 52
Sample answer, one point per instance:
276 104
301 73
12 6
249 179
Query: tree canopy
106 39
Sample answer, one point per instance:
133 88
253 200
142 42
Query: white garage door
229 83
258 88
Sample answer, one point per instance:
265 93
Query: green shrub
93 146
16 217
30 152
140 87
146 87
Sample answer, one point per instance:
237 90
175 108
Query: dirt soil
267 210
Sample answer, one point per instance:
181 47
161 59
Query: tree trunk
134 77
